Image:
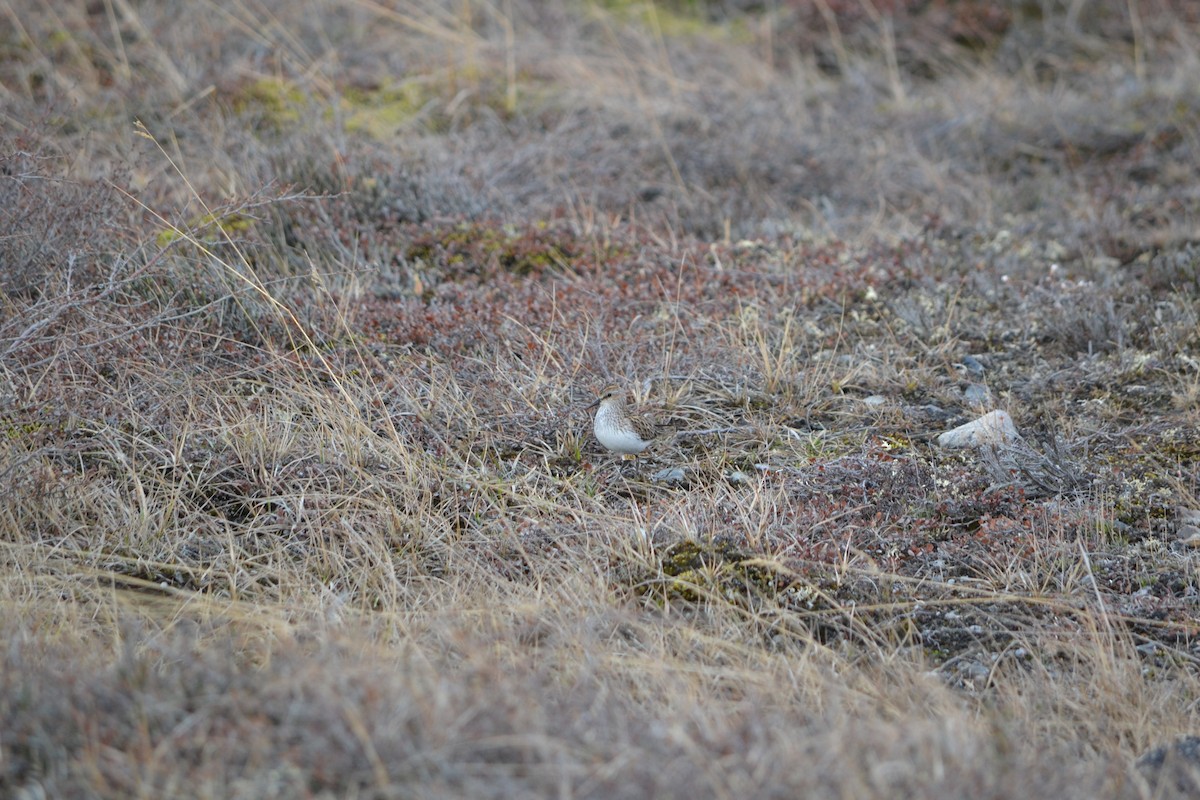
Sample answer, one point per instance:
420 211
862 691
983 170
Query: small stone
995 427
973 365
975 672
976 394
1188 526
1173 767
671 475
875 400
928 414
31 791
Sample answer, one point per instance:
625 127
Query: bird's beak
593 404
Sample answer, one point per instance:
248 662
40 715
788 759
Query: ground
301 306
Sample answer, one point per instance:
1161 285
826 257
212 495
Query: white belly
618 439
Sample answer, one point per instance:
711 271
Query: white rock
995 427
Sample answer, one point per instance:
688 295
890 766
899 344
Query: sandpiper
616 428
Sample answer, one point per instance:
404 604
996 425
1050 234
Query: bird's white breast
616 436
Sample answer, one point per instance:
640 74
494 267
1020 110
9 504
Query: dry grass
299 496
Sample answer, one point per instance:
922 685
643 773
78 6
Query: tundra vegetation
301 304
